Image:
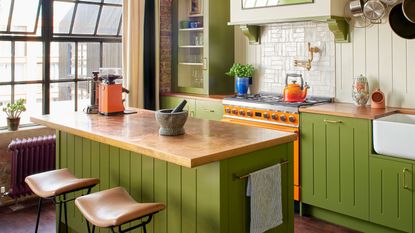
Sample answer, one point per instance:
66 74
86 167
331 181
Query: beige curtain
133 43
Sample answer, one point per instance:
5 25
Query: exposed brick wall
165 45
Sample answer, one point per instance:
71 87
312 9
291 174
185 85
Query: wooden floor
24 221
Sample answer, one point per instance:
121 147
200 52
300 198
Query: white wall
386 59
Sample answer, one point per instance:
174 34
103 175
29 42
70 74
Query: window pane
62 60
5 98
5 62
114 1
110 20
29 60
62 97
24 15
62 16
88 59
33 95
4 14
112 55
85 19
84 95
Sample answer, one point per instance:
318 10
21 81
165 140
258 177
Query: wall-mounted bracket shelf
337 25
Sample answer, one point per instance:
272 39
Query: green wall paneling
202 199
334 163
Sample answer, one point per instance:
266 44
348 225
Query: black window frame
47 37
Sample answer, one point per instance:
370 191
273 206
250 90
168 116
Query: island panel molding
204 199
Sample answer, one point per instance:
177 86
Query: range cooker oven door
296 147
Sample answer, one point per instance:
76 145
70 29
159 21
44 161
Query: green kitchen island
196 175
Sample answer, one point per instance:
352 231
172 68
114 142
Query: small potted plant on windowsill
243 75
13 112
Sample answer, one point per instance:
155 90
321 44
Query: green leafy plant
239 70
13 111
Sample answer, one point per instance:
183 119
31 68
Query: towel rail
235 177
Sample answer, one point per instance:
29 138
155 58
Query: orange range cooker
270 112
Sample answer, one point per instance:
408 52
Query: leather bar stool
114 207
56 184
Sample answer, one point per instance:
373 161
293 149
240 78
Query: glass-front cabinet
203 47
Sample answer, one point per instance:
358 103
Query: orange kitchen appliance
294 92
110 92
270 112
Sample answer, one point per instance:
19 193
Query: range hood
329 11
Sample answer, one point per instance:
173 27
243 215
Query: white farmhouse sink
394 135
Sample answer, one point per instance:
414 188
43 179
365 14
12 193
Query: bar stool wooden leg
39 208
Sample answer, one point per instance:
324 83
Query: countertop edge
189 163
217 98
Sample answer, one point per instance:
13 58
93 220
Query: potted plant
243 75
13 112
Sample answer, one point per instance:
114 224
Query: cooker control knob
242 112
283 118
274 116
249 113
235 112
228 110
266 115
291 119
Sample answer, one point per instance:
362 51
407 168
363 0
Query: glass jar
360 90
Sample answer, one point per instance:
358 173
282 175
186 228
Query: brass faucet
307 63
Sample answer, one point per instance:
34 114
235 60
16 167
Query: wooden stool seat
57 182
114 207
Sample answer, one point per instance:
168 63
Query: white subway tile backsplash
281 44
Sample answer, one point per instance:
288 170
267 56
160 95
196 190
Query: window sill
23 128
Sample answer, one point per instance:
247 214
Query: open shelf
191 46
190 64
190 29
195 15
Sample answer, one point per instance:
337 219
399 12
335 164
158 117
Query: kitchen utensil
356 8
408 7
171 124
378 99
389 2
374 10
400 24
356 22
179 107
360 91
294 92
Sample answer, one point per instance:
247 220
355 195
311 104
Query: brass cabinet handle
208 110
205 63
333 122
404 178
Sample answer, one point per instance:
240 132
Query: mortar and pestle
171 121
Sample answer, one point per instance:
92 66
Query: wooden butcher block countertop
349 110
204 142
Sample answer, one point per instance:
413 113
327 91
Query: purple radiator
30 156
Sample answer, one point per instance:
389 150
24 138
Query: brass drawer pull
208 110
404 178
333 122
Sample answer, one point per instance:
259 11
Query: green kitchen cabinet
210 110
335 163
168 102
391 193
203 47
202 109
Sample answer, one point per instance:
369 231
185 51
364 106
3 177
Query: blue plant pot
242 84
